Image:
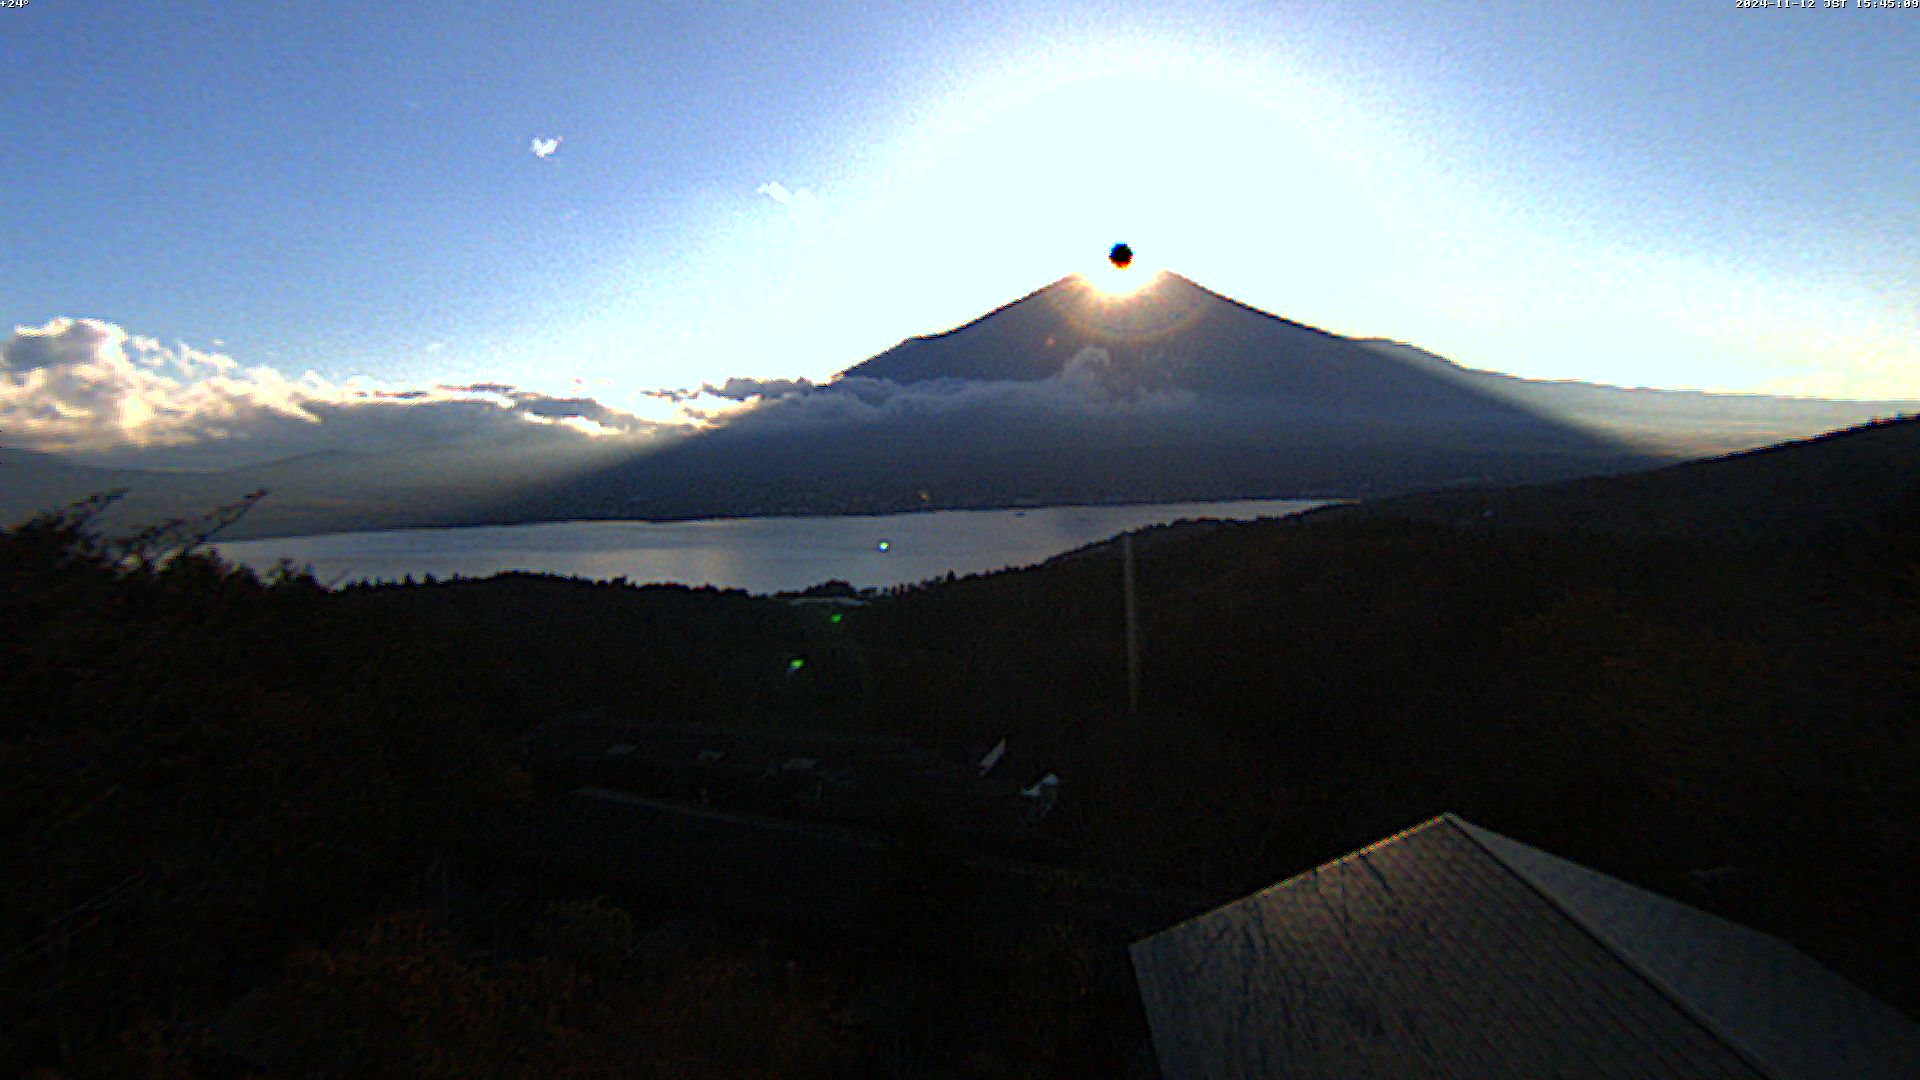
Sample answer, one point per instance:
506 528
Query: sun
1120 274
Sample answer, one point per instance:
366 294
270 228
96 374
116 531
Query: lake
761 555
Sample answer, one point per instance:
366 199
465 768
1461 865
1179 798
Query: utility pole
1133 626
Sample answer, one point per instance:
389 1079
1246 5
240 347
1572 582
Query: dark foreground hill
236 806
1725 715
1777 494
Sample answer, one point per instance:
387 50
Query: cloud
675 396
795 198
739 389
710 404
88 387
481 388
1090 386
1087 388
545 148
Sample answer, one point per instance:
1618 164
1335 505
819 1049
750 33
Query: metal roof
1782 1010
1451 951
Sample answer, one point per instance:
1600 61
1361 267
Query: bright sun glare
1119 274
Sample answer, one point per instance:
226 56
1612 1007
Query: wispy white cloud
741 389
671 395
795 198
89 387
1087 387
546 148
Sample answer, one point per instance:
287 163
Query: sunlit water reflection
761 555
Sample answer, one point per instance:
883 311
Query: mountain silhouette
1171 333
1170 392
1066 395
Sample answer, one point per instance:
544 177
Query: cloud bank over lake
93 390
89 388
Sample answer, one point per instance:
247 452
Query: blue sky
1679 194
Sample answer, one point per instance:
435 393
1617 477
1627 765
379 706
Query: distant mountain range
1861 478
1066 395
1849 482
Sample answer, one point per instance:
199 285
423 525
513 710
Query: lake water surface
760 555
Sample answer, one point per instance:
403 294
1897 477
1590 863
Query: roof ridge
1660 986
1283 882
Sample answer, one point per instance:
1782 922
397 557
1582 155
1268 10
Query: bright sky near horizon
604 198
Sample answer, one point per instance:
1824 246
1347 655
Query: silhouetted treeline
233 799
229 807
1732 725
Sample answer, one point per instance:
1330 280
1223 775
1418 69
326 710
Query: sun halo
1117 278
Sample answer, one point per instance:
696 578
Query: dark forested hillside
201 772
235 801
1728 722
1792 492
232 806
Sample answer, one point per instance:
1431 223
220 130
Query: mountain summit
1169 392
1171 333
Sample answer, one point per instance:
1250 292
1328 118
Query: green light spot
835 618
795 664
